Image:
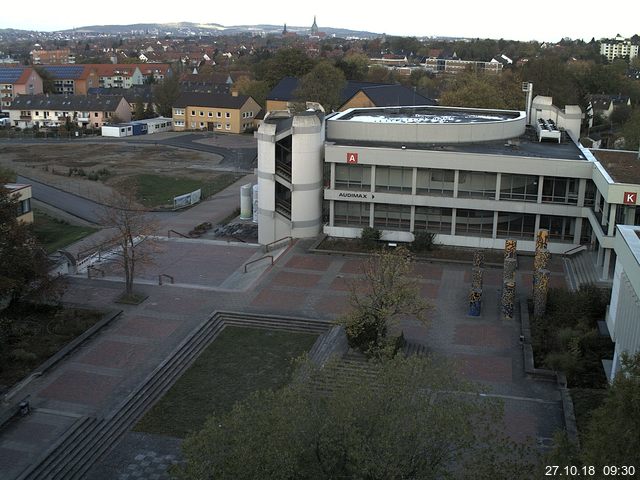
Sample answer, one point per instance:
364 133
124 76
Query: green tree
323 84
401 421
480 90
256 89
631 131
389 292
354 66
138 110
165 95
287 62
48 85
149 111
24 265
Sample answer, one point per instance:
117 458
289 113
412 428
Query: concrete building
623 315
22 194
618 47
62 56
18 81
454 65
27 111
214 112
473 177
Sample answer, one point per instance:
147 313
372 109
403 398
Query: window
201 113
351 214
201 124
560 190
353 177
394 179
560 228
193 124
433 219
24 206
475 223
516 225
37 114
179 123
210 114
435 182
228 126
476 184
519 187
193 112
590 194
218 114
219 126
392 217
227 115
95 114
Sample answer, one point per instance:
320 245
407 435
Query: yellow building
22 194
214 112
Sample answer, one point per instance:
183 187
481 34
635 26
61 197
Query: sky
513 20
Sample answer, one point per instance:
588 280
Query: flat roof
623 166
426 114
15 186
525 145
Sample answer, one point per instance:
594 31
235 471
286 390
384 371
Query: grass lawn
54 234
35 333
159 190
239 362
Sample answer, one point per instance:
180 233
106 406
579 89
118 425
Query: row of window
438 220
470 184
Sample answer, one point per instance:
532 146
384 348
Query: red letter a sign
352 158
630 198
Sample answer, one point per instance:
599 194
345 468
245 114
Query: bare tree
131 230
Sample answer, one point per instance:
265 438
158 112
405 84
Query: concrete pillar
596 205
498 183
605 214
412 222
332 212
540 184
600 255
605 264
332 183
582 189
414 182
577 230
453 220
456 179
536 225
612 219
371 213
494 231
373 179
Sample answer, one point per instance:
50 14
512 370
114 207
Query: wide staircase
581 270
90 437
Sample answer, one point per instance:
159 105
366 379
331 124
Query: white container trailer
157 125
123 130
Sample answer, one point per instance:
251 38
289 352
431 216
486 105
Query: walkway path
96 377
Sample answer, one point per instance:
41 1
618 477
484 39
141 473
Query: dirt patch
93 169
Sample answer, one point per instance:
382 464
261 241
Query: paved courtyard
97 376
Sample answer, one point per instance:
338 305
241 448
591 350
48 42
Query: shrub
22 355
423 241
370 236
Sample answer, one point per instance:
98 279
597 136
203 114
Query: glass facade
353 177
394 179
474 223
435 182
433 219
392 217
560 228
516 225
477 184
560 190
519 187
351 214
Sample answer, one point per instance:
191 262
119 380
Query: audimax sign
354 195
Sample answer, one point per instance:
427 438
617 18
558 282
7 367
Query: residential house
134 95
604 105
354 94
88 111
390 60
618 47
62 56
18 81
214 112
72 79
22 194
118 75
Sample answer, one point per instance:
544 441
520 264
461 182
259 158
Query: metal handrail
175 231
266 247
164 275
574 249
257 260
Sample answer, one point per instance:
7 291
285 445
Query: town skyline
497 19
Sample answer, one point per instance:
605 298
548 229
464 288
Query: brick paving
98 375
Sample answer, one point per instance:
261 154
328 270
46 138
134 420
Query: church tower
314 28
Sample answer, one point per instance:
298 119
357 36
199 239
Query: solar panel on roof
11 74
64 71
